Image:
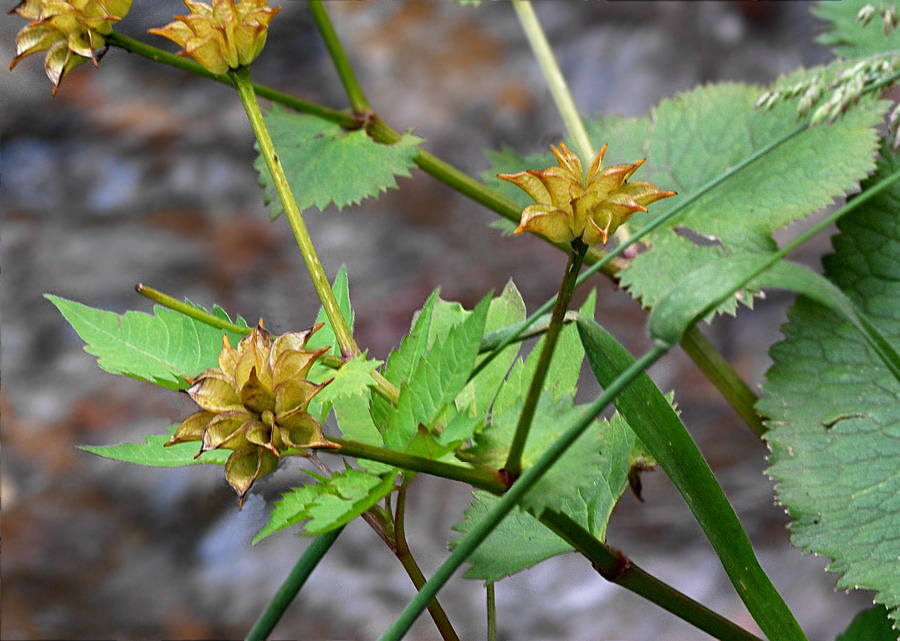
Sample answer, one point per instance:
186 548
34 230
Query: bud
70 31
224 36
255 403
569 207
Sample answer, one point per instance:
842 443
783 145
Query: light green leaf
849 38
437 379
521 541
152 452
700 135
355 420
834 408
165 348
328 505
327 165
353 378
325 336
402 362
871 625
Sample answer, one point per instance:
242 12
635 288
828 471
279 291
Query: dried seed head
70 31
569 206
255 403
222 36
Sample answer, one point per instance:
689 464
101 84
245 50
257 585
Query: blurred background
142 173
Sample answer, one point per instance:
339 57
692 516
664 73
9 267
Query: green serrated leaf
871 625
328 504
521 541
327 165
152 452
325 336
437 379
353 378
833 408
164 348
849 38
702 134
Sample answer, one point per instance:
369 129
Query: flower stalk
244 86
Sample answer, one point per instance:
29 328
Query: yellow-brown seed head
569 206
255 403
70 31
222 36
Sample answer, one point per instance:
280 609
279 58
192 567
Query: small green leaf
353 378
165 348
152 452
325 336
437 379
521 541
833 410
871 625
328 505
327 165
847 36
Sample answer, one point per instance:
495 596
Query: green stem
468 544
556 82
345 70
491 612
614 567
244 86
731 386
513 466
401 549
189 310
481 478
291 586
344 119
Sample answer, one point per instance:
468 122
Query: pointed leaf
152 452
325 336
848 37
833 408
164 348
327 165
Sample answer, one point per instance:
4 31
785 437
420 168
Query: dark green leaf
327 165
165 348
871 625
833 409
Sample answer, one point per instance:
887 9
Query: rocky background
141 173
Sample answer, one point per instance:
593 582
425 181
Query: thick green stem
189 310
401 549
556 82
468 544
345 70
731 386
614 567
291 586
244 86
513 466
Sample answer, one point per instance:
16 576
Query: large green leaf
152 452
700 135
521 541
438 378
328 504
870 625
327 165
164 348
834 409
847 36
659 428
